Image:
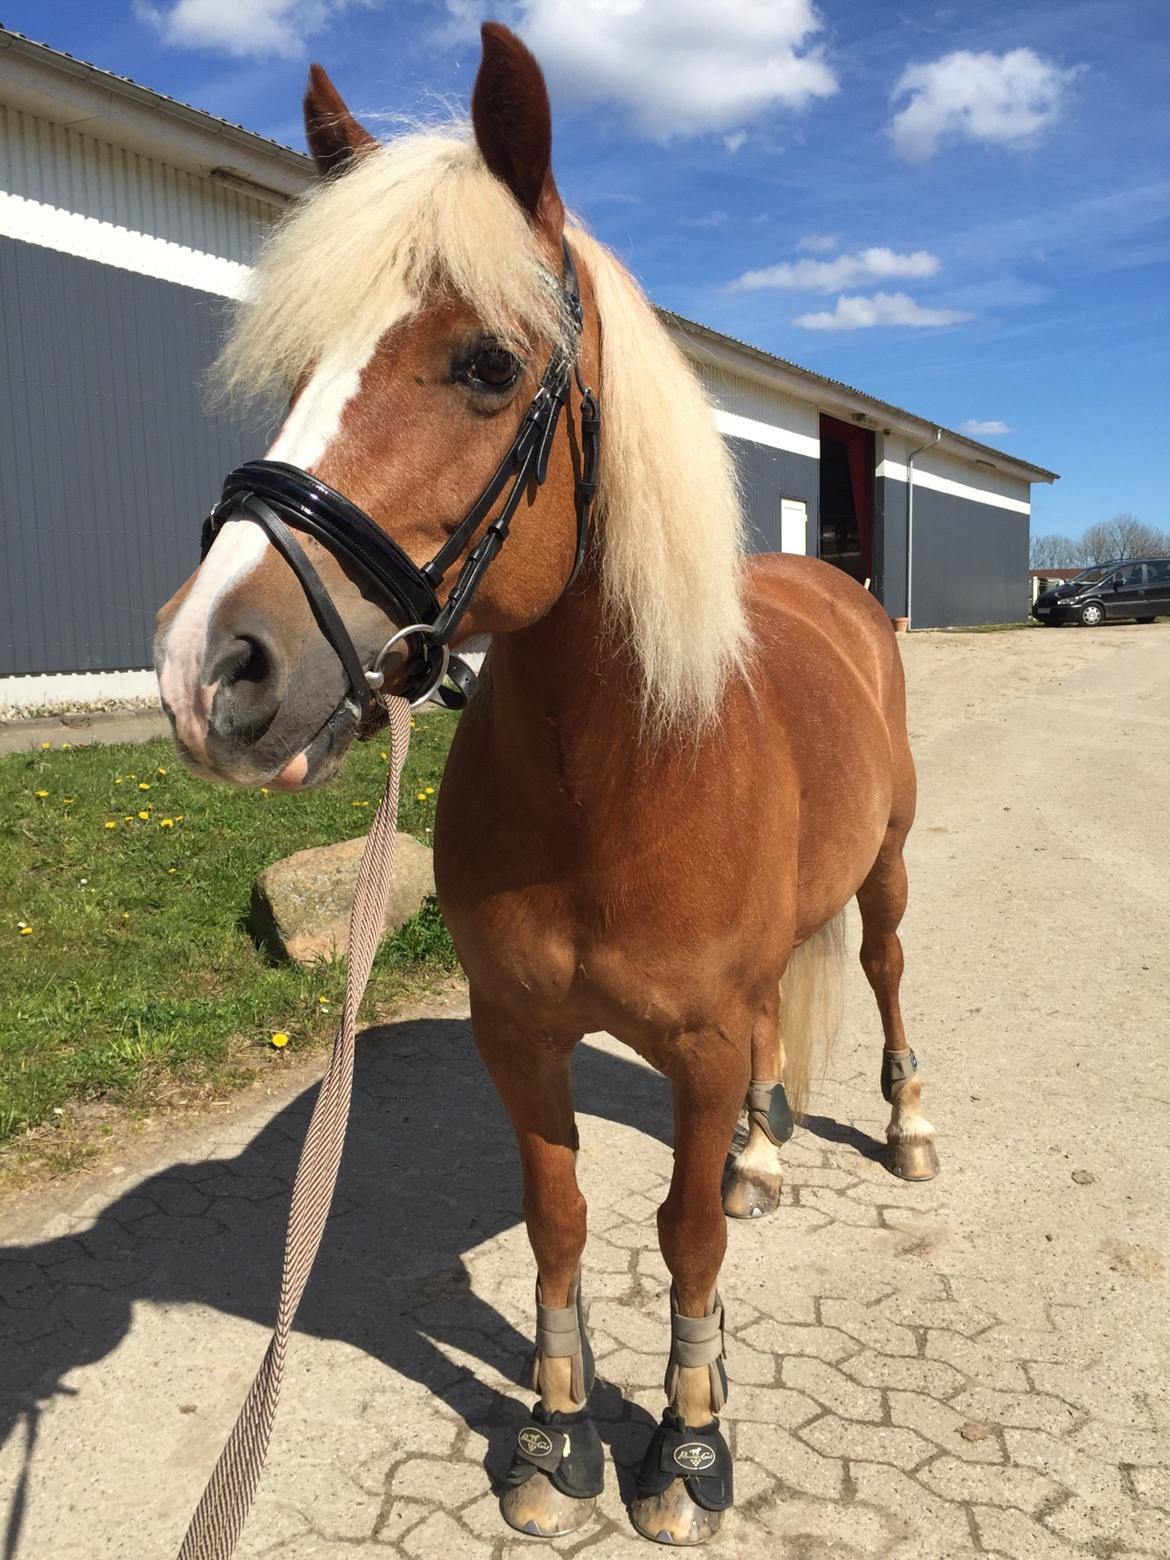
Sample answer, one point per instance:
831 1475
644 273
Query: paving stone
836 1437
782 1338
868 1326
1022 1410
446 1482
930 1377
831 1389
795 1465
943 1425
957 1480
441 1536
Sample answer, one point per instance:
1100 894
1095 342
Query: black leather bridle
282 499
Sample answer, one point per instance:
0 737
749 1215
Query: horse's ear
332 132
513 124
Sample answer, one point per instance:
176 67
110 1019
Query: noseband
283 499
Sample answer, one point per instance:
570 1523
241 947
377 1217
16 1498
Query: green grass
138 975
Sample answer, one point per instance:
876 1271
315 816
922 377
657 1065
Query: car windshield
1094 575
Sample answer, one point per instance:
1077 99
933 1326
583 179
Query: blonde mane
361 253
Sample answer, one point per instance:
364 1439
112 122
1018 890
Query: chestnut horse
680 765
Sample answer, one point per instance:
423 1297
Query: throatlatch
700 1458
897 1067
767 1106
696 1341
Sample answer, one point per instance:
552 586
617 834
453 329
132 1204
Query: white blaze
240 544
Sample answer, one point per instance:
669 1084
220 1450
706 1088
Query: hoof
913 1159
751 1194
673 1517
538 1508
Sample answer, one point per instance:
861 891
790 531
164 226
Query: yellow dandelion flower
110 824
172 869
263 790
280 1039
118 781
166 823
40 793
430 790
45 746
68 801
129 818
125 915
421 796
66 747
26 931
179 817
160 770
144 816
359 804
143 785
324 1001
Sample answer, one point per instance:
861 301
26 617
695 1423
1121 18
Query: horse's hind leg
882 901
558 1465
755 1178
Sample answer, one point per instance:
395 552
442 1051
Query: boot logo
694 1456
534 1442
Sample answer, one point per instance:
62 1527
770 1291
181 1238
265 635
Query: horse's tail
811 1008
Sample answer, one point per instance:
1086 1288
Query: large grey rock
300 906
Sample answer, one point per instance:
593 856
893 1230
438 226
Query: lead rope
219 1517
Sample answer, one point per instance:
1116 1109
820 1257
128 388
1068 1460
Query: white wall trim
767 433
926 479
48 688
70 233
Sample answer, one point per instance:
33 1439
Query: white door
793 525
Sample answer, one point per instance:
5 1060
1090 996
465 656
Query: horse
681 765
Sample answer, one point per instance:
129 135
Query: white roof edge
705 344
66 91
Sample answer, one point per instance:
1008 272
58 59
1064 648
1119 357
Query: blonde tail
811 1007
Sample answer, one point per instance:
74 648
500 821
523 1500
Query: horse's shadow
430 1172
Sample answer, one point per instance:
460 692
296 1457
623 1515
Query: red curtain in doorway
858 444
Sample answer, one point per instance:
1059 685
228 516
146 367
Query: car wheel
1144 620
1092 614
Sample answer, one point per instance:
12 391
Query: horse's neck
565 700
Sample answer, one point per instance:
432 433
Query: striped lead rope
219 1517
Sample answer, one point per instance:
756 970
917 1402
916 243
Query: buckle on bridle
376 677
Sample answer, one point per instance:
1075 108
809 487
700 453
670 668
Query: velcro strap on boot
566 1447
560 1334
767 1105
897 1066
699 1457
696 1341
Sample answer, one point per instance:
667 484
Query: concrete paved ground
82 728
973 1367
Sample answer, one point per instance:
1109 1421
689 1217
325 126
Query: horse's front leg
557 1468
684 1482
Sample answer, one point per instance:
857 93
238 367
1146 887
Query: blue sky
962 209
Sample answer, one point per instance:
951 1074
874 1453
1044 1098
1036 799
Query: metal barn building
127 220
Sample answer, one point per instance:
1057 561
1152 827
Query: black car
1136 588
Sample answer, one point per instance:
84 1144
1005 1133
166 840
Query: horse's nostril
244 659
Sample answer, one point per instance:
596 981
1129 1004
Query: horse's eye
493 368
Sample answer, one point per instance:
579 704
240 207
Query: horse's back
812 620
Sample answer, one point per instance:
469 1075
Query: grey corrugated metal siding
108 456
766 475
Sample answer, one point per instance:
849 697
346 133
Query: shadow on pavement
430 1172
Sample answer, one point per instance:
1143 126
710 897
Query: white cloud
975 425
241 27
681 67
818 243
1001 98
866 265
856 313
734 142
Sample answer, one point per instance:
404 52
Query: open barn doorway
845 527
